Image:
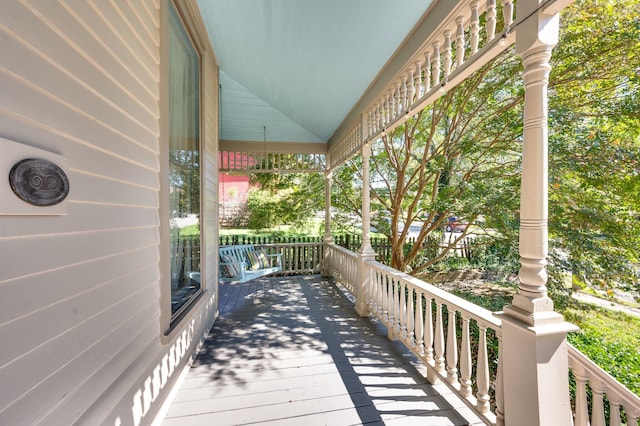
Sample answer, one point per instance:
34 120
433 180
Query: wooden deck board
291 350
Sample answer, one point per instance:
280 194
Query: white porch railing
461 343
414 313
620 399
259 161
343 266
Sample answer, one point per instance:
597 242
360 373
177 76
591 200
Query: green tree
457 157
594 143
460 156
287 198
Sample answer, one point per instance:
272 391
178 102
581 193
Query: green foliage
264 209
291 199
609 339
594 144
190 230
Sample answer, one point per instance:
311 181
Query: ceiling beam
273 147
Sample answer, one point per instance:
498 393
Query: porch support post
328 238
535 363
365 253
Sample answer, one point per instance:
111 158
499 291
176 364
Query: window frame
172 323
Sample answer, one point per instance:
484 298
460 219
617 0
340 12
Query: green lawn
610 339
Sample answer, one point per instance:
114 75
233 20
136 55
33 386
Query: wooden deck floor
292 351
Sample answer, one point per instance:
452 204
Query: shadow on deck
291 350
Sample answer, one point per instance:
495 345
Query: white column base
362 298
324 270
535 368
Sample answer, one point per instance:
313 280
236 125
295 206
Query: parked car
454 224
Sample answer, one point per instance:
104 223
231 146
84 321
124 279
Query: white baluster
438 341
474 27
405 95
410 316
399 100
392 105
418 330
403 309
597 408
376 119
384 293
389 301
447 53
614 413
499 394
452 349
427 72
377 294
507 12
491 19
428 330
373 293
412 88
396 307
482 372
465 359
435 64
388 108
460 41
370 124
582 407
420 88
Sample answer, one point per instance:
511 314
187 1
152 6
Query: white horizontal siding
79 293
30 102
41 254
80 315
83 217
18 300
48 382
94 161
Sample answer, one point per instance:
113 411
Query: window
184 166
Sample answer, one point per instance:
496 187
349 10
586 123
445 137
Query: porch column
328 238
536 388
365 253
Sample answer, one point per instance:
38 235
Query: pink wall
233 189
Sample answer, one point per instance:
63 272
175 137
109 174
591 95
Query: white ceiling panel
298 66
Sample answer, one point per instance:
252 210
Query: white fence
297 258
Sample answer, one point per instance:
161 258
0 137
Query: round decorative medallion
39 182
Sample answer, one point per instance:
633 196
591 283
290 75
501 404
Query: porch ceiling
297 67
